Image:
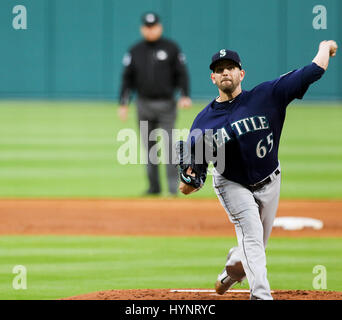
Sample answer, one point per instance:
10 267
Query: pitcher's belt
259 185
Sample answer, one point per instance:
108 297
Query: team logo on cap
150 18
223 53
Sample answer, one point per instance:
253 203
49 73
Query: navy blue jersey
249 126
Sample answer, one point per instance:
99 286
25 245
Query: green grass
69 149
61 266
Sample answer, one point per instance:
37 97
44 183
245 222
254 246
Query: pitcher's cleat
230 275
224 282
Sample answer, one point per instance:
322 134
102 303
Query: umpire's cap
150 19
225 54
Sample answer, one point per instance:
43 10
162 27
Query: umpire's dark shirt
154 70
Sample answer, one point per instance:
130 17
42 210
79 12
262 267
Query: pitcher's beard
228 89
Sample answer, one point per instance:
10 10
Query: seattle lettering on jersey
240 127
250 124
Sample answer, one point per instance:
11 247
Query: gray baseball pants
252 214
159 114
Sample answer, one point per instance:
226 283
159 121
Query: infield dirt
160 217
166 294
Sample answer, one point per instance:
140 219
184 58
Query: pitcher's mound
202 294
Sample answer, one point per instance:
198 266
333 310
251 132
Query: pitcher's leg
249 232
243 211
268 199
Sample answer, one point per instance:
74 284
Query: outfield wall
74 48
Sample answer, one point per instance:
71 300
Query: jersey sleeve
127 84
294 84
181 73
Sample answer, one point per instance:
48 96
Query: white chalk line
207 291
210 291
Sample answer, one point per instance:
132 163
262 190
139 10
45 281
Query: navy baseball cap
150 19
225 54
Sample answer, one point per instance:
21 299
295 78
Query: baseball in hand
331 44
333 48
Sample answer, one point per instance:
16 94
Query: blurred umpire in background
155 68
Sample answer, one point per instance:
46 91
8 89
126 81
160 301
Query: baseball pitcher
244 133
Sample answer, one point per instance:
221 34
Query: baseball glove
185 160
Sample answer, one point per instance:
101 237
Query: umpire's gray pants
159 114
253 215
